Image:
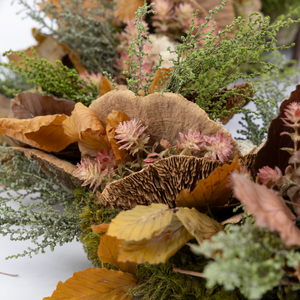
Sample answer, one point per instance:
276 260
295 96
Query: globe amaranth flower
218 146
98 171
131 135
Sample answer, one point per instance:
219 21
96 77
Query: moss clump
93 213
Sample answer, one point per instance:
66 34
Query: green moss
92 213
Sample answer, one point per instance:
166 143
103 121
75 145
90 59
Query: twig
192 273
292 203
9 274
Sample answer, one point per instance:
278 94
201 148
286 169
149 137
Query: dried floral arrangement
166 203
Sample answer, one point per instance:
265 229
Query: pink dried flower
292 113
243 171
95 78
107 160
184 15
131 133
267 174
218 146
164 143
165 15
191 142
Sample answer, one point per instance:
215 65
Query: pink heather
131 134
218 146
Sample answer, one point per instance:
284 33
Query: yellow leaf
105 86
112 121
108 252
125 9
159 74
159 248
142 222
100 228
198 225
43 132
95 284
84 126
209 192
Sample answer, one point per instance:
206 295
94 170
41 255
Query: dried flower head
95 78
131 134
218 146
292 113
268 175
190 142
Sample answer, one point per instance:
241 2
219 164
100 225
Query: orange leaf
94 283
84 126
39 38
268 208
159 248
159 74
100 228
125 9
108 252
211 191
43 132
112 121
105 86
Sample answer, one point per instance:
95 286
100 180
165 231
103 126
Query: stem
9 274
192 273
292 203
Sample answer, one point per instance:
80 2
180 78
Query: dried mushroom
164 115
160 182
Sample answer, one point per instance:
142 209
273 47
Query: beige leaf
142 222
199 225
125 9
159 248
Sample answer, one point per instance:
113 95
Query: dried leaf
29 105
142 222
101 228
125 9
43 132
112 121
159 74
74 57
48 49
268 208
83 126
94 283
270 154
209 192
108 252
159 248
5 110
105 86
198 225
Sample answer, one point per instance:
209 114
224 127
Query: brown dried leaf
112 121
108 252
209 192
29 105
270 154
125 9
105 86
159 248
74 57
198 225
94 283
43 132
142 222
159 75
83 126
268 208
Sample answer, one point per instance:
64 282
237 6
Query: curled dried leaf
268 208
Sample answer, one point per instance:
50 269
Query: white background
39 275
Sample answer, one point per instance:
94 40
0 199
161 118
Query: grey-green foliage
137 54
248 258
272 91
89 33
40 220
12 83
204 71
